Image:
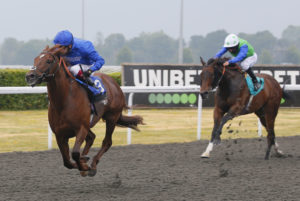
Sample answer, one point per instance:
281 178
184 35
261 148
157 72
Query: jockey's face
233 49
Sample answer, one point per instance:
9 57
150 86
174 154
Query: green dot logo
184 98
152 98
176 98
172 98
192 98
160 98
168 98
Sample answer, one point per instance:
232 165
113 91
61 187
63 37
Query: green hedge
16 77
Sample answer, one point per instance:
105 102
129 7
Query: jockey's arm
241 55
92 55
98 61
221 52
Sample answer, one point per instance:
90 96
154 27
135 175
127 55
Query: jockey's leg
246 66
90 82
254 79
78 70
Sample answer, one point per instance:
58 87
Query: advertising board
142 75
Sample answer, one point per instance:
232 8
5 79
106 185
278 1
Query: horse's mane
220 61
56 50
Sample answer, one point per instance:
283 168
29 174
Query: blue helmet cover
64 38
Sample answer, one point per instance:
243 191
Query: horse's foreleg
217 118
106 144
80 137
225 118
207 151
89 140
278 152
63 145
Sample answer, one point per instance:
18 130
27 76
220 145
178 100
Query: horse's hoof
205 155
84 173
85 158
279 154
70 165
92 172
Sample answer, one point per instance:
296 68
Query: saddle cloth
100 90
251 86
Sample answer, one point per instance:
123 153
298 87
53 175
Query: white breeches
248 62
76 68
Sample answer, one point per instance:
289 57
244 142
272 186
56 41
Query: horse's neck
58 88
231 80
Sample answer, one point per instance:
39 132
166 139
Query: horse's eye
49 61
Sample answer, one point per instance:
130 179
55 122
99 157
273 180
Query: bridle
217 82
220 79
46 74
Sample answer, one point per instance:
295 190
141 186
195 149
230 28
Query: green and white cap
231 40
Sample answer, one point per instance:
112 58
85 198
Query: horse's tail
130 121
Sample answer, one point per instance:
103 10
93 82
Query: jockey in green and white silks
243 53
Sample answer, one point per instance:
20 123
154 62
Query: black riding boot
254 79
90 82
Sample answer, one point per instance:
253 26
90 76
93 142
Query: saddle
251 86
95 93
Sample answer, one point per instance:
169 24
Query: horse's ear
210 61
59 50
46 48
202 61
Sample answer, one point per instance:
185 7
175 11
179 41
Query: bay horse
69 111
232 99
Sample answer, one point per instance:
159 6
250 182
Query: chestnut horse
69 110
232 99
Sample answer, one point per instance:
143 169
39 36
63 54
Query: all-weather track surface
236 171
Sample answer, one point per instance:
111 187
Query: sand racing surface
236 171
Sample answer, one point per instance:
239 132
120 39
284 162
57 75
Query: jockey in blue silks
243 53
81 54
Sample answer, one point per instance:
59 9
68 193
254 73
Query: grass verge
27 130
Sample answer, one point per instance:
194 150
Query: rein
62 61
224 70
216 83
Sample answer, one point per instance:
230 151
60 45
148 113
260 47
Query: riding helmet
64 38
231 40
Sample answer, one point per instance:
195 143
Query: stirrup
256 85
90 82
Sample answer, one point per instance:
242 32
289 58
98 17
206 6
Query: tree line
158 47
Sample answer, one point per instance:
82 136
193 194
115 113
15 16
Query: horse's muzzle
32 79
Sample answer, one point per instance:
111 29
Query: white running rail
125 89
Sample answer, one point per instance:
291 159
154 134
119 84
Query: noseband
46 74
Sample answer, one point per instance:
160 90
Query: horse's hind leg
106 144
63 145
270 115
89 140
